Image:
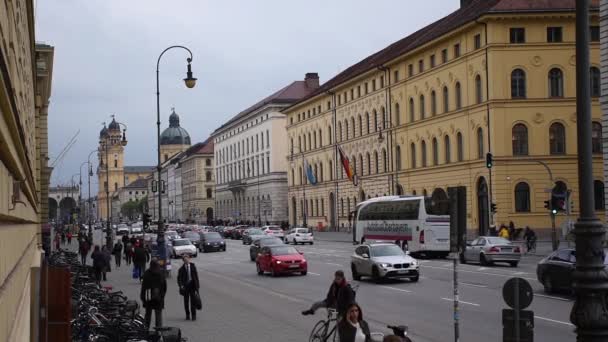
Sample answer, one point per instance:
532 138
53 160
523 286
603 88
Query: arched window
375 121
423 153
346 129
354 159
329 134
556 83
208 161
367 122
422 108
341 206
446 100
314 139
384 118
433 103
411 109
557 138
208 176
478 90
209 193
397 114
435 152
596 137
115 162
361 165
360 126
459 147
339 137
518 84
384 161
320 138
458 96
413 155
520 140
398 157
376 162
369 164
331 170
522 197
320 172
598 195
448 149
480 150
596 86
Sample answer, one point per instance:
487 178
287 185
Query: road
239 305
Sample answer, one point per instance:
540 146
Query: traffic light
548 205
493 207
559 197
146 219
489 160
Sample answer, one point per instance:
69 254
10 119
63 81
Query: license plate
403 271
294 266
506 249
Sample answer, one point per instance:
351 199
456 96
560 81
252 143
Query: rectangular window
366 88
432 61
328 105
554 34
421 65
352 94
594 32
444 56
373 85
477 41
396 76
381 81
339 100
456 50
319 109
517 35
410 70
358 91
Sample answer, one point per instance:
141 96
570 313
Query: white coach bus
424 224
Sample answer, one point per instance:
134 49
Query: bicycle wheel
318 332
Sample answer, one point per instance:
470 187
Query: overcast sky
244 50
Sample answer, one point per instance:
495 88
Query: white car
183 247
274 231
171 234
122 229
299 235
136 230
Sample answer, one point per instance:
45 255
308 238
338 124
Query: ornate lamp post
190 83
90 174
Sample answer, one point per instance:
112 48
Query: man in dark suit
187 279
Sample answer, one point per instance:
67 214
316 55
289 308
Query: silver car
383 260
490 249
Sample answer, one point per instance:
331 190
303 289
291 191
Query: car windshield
181 242
386 250
274 228
268 242
498 241
191 235
303 231
255 232
284 250
212 236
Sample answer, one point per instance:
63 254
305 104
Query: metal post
456 300
108 209
305 206
590 310
259 199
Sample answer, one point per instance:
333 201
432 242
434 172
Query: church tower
111 149
174 139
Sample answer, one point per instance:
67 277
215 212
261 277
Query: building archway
66 205
440 205
482 206
332 211
209 215
294 209
52 209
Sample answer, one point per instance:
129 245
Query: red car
280 260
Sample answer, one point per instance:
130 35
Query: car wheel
311 242
244 242
463 260
195 255
514 263
415 279
259 269
224 249
356 275
303 273
482 260
376 275
295 242
548 284
273 272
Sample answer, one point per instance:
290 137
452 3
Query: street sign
517 293
526 326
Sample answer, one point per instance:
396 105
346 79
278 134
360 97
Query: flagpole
305 224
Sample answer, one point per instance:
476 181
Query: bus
422 222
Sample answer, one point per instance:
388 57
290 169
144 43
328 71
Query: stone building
173 139
198 183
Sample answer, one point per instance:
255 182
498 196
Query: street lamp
90 174
304 211
190 83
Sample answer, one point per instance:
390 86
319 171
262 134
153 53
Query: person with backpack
140 258
152 295
339 296
117 251
99 263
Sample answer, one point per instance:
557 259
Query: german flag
346 164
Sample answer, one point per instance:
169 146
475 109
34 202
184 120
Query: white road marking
313 273
396 289
487 273
475 285
460 301
558 298
331 263
554 321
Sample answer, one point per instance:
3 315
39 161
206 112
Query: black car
555 271
211 242
194 237
263 242
252 234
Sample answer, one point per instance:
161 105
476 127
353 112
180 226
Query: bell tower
110 172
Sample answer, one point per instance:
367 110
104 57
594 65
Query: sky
244 50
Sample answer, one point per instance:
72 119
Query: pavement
239 305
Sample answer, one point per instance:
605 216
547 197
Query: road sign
526 326
517 293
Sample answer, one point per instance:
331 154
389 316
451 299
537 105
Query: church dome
114 125
174 134
103 132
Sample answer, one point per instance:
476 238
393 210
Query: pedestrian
57 241
530 237
503 232
187 280
511 230
140 258
128 252
108 261
125 239
352 327
99 263
69 236
340 294
83 249
117 251
152 295
63 238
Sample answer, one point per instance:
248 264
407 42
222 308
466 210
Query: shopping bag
198 304
135 272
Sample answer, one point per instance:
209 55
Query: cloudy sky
106 50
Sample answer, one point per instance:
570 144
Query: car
183 247
554 271
136 230
237 232
262 242
281 259
227 232
490 249
250 234
171 235
275 231
194 237
210 242
122 229
299 235
383 260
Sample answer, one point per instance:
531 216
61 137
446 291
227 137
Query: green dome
174 134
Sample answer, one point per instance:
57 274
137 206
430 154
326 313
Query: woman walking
352 328
152 295
99 262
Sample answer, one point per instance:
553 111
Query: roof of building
469 12
139 169
138 183
174 134
114 125
205 147
287 95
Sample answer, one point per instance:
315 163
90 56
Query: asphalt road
239 305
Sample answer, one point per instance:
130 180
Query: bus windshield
390 210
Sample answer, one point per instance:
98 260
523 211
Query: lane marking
331 263
313 273
460 301
396 289
475 285
554 320
552 297
486 273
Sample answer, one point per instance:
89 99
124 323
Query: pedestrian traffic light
559 196
489 160
548 205
493 207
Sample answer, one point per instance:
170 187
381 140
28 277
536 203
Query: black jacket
140 255
117 249
347 331
339 297
153 280
182 277
99 260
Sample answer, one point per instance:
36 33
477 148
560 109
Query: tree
130 209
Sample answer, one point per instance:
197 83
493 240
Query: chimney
312 80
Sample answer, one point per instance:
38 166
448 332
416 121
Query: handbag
198 304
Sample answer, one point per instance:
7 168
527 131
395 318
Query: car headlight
207 243
303 261
222 242
414 263
278 261
386 265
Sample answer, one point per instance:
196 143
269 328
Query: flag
345 164
312 179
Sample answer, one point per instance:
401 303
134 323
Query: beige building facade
421 115
198 183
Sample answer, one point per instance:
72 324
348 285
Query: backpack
153 296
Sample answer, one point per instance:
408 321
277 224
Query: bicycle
531 245
321 331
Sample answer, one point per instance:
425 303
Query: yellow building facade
421 115
110 170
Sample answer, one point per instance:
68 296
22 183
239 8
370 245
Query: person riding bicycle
339 296
530 237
